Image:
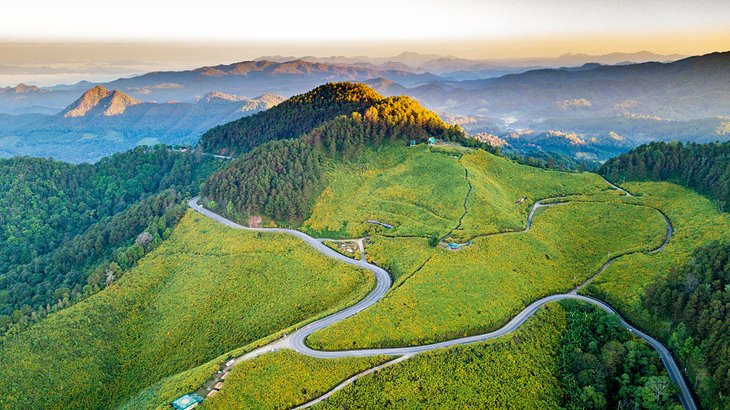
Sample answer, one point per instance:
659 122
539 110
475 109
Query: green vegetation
415 191
61 222
702 167
602 365
564 347
290 119
98 257
422 193
497 184
278 180
159 395
480 287
695 299
696 222
284 379
205 291
399 256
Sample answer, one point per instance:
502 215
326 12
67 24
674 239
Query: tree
658 385
144 239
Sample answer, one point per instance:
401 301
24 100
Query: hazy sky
192 33
365 21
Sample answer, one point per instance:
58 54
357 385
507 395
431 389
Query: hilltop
282 150
291 118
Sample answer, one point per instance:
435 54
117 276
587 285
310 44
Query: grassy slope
205 291
421 193
284 379
696 221
497 184
519 371
418 192
483 285
516 371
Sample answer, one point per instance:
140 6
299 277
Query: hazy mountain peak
99 101
219 95
24 88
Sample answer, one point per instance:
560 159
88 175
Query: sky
114 37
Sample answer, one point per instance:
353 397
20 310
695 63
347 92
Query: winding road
296 340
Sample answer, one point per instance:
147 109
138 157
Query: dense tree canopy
702 167
62 221
601 365
278 179
289 119
695 297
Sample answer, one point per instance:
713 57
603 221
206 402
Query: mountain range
685 99
102 122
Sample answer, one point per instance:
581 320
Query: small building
187 402
218 386
412 143
431 141
453 246
212 393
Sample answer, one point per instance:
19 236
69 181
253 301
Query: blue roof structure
187 401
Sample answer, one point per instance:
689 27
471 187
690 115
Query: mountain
20 89
248 78
695 87
100 102
279 171
685 99
616 58
289 119
102 122
262 102
457 68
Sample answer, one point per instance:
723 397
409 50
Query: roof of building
453 245
187 401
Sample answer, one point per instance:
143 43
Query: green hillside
143 299
284 379
67 229
566 356
279 180
702 167
204 292
482 286
697 222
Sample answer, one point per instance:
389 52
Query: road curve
383 282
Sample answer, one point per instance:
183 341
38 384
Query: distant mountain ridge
101 122
686 99
20 89
691 88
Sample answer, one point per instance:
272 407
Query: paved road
297 339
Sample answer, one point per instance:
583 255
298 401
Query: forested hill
279 180
702 167
695 299
67 230
289 119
